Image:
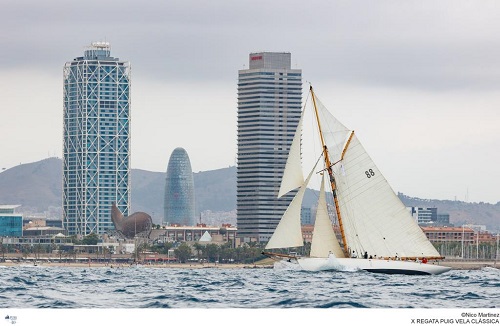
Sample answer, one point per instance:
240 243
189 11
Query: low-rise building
225 233
30 221
437 234
11 224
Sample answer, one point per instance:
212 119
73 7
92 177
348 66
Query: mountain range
37 187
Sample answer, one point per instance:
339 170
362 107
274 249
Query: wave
69 287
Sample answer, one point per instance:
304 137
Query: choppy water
70 287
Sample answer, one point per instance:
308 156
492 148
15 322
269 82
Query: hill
461 212
38 187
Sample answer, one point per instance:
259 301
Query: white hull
369 265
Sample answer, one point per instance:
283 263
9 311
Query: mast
329 164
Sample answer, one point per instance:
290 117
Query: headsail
288 233
292 175
324 240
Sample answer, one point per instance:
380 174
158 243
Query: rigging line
332 164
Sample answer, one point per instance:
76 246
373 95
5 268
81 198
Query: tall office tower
96 147
179 190
269 108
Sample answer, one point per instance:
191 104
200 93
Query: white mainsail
288 233
324 240
292 175
375 220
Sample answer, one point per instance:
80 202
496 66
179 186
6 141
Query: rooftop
9 206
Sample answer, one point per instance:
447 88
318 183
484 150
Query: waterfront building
11 223
269 109
179 204
423 215
429 216
43 231
96 146
47 237
449 234
41 221
222 234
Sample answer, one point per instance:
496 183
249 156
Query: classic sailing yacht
377 232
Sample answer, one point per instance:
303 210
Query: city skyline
393 72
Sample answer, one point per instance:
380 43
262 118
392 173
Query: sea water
128 287
167 289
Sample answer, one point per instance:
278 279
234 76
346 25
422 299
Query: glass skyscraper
269 108
179 190
96 146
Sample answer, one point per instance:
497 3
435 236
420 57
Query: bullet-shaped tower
179 190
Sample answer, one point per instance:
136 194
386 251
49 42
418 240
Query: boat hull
371 265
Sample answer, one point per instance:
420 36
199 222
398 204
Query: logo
11 319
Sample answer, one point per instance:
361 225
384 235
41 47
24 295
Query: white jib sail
324 240
292 175
288 233
374 218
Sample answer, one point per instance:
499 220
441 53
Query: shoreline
470 265
118 265
457 265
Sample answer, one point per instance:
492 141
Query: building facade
449 234
443 219
226 233
423 215
269 109
96 146
306 216
179 206
11 224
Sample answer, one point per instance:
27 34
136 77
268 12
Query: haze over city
419 81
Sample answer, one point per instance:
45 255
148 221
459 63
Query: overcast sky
419 81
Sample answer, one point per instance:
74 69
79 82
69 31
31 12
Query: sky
419 81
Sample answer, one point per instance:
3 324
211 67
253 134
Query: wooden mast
328 164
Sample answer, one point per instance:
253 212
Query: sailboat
377 232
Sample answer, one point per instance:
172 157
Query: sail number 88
369 173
